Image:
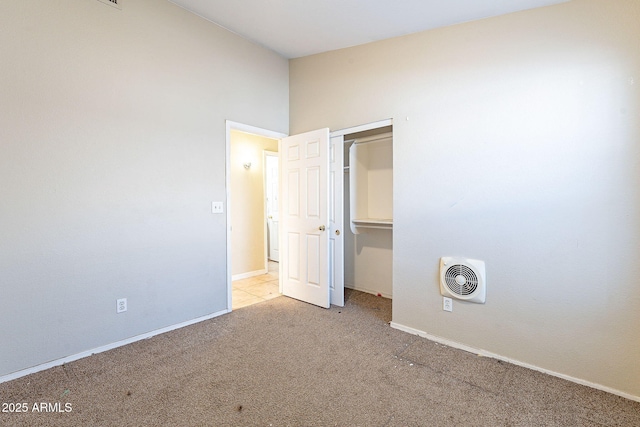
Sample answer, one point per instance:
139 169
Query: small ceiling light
247 165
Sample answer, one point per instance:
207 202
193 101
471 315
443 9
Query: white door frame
337 137
231 125
362 128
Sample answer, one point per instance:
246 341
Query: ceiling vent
115 3
463 279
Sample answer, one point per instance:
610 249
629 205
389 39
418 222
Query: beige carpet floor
286 363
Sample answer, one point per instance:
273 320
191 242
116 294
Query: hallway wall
247 201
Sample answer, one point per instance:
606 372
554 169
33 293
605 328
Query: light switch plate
217 207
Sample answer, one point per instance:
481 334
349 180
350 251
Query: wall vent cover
463 279
114 3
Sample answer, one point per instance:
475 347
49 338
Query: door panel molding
305 164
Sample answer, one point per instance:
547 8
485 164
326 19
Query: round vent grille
461 280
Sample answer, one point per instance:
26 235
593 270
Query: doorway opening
252 215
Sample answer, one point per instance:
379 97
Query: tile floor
255 289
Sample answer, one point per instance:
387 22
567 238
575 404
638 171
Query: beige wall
112 148
248 216
516 141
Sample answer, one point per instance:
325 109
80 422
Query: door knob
337 232
321 228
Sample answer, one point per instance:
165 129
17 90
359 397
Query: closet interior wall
368 256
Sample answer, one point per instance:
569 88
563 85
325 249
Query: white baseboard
485 353
249 274
367 291
68 359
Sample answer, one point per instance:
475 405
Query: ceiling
296 28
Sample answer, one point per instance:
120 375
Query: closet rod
375 138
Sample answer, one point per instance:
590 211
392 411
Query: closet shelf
384 223
371 183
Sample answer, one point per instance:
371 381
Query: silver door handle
322 228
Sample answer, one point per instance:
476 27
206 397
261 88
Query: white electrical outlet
121 305
447 304
217 207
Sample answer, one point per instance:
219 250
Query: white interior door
271 184
304 217
336 220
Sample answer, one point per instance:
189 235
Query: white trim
249 274
362 128
254 130
484 353
280 163
101 349
231 125
265 230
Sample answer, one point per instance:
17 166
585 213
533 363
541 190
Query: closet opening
368 213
